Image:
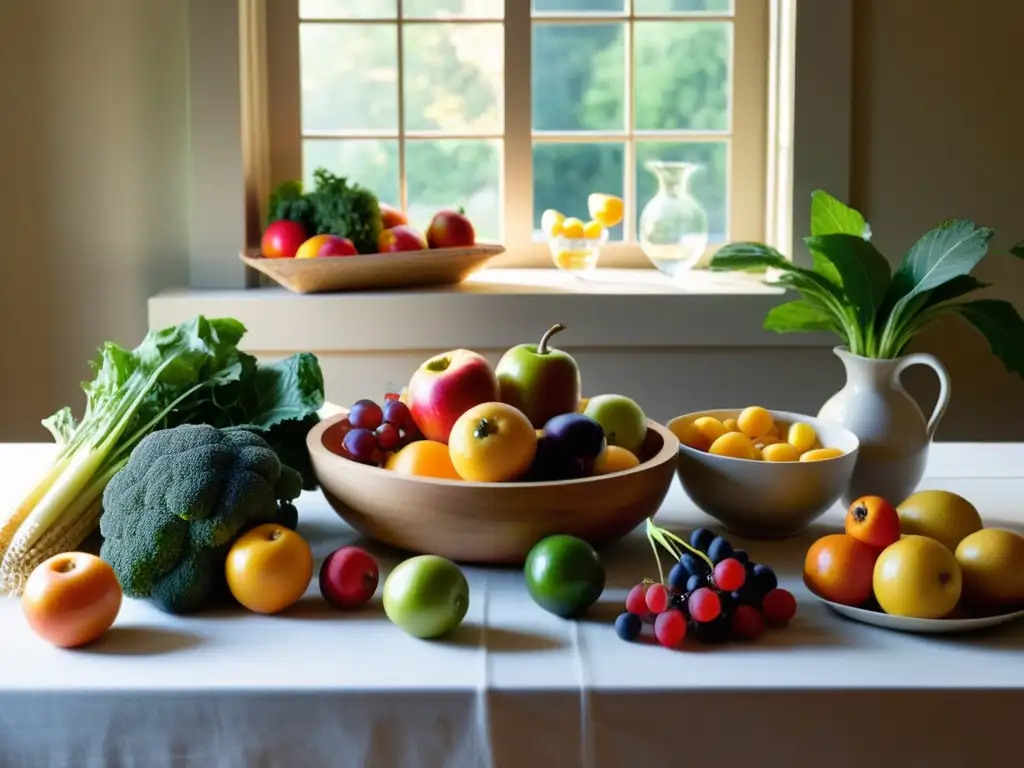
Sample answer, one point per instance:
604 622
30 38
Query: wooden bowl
405 269
495 523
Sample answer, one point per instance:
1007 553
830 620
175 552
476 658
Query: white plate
921 626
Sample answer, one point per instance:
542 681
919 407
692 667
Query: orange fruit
269 568
311 247
607 209
615 459
840 568
492 443
874 521
424 458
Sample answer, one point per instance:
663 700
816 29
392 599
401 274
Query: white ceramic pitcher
894 435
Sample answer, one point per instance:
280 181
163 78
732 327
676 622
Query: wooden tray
405 269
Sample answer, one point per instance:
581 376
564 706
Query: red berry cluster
710 597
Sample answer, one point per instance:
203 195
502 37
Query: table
515 686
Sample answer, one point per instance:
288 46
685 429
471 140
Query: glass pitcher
673 225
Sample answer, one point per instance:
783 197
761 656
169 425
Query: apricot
755 421
821 454
801 436
731 425
691 436
736 445
874 521
841 568
780 452
711 427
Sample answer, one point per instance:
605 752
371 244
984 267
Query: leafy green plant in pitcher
876 312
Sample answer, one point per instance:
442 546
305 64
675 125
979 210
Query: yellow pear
992 562
941 515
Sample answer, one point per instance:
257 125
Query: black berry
628 625
765 579
694 565
701 539
720 549
695 582
741 555
677 577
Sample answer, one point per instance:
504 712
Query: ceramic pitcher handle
921 358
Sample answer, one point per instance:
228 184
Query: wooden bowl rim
480 248
668 452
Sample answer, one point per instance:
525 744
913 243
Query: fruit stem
483 429
664 536
542 348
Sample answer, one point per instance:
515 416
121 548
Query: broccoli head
186 494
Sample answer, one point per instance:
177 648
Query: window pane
579 77
347 9
453 77
565 174
372 163
455 174
349 77
447 9
708 185
579 6
682 6
682 75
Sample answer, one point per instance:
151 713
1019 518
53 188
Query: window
509 107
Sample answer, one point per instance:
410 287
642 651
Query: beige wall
939 132
99 134
93 161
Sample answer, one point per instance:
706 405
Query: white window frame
808 146
746 135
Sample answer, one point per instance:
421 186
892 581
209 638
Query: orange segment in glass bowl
424 458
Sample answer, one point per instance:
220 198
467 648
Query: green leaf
61 425
829 216
953 289
953 248
747 256
797 316
1018 250
864 272
999 322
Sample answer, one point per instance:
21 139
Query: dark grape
397 413
388 436
678 601
695 582
361 445
670 628
628 626
730 574
747 623
764 579
748 595
719 549
779 606
701 539
705 605
657 598
741 555
693 564
716 631
677 577
727 603
636 600
366 414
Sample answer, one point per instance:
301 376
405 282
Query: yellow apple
917 577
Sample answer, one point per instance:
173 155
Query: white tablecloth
515 686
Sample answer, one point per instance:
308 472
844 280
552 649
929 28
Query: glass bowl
577 255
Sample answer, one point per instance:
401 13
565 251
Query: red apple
401 238
348 577
281 240
450 229
391 216
445 387
338 246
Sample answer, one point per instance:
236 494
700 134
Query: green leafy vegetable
852 291
334 207
189 373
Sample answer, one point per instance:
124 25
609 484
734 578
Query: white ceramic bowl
761 499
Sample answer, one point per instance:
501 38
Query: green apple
426 596
539 380
622 419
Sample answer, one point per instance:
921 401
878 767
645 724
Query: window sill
496 308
